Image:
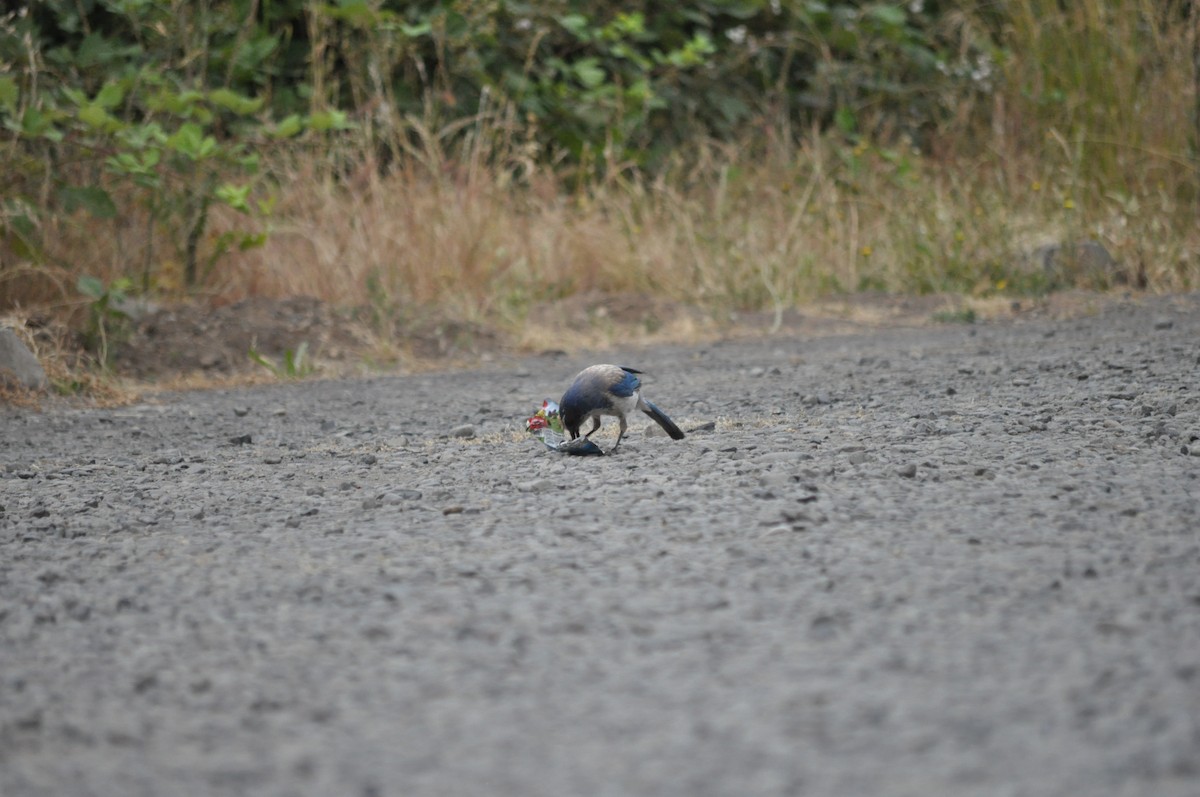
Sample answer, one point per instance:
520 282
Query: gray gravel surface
957 560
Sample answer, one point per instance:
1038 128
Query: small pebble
907 471
465 432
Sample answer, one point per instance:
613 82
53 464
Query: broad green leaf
252 241
456 24
890 15
34 122
179 103
288 127
19 222
91 287
589 72
232 101
845 119
236 196
355 12
110 96
418 30
94 50
189 140
329 120
142 136
75 95
9 93
97 118
576 24
93 199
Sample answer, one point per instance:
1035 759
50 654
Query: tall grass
1085 131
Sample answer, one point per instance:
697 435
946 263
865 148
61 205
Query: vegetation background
481 157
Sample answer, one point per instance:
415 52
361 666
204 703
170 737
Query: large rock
1088 262
18 366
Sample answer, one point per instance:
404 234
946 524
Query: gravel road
949 560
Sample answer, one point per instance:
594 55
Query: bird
609 390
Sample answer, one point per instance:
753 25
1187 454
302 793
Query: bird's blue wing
625 383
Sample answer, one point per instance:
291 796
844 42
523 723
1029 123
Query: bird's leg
595 426
620 434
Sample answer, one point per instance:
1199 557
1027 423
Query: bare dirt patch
195 345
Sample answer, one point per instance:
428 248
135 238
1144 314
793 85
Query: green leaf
288 127
355 12
845 119
456 24
589 72
891 16
94 50
180 103
418 30
19 223
189 140
263 361
91 287
249 162
232 101
142 136
97 118
93 199
252 241
36 124
9 93
110 96
75 95
329 120
577 25
236 196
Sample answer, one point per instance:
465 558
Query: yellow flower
1069 203
1036 186
866 251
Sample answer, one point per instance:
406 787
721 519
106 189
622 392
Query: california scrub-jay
608 390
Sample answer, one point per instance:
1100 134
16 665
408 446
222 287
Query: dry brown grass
734 232
70 376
